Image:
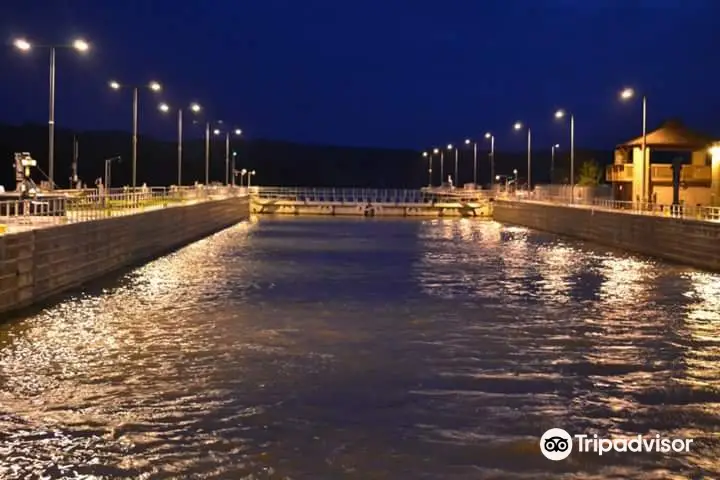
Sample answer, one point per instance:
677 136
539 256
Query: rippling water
306 349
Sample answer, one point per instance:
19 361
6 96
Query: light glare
216 131
488 135
81 45
560 114
164 107
517 126
195 107
22 44
114 85
238 131
627 93
155 86
449 146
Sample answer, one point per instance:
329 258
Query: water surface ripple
368 349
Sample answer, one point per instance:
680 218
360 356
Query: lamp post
25 46
250 174
237 132
194 108
152 86
519 126
436 151
552 163
627 94
429 157
562 114
491 137
242 173
474 144
451 147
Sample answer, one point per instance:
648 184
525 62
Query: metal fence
701 213
368 195
69 206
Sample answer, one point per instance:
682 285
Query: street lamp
559 115
194 108
491 137
627 94
250 174
429 157
552 163
153 87
237 132
474 144
78 45
451 147
519 126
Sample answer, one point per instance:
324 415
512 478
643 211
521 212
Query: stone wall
688 242
37 264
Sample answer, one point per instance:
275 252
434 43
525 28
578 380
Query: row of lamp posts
81 46
625 94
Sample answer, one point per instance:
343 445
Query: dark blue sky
374 72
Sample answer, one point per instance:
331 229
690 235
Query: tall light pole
194 108
451 147
237 132
491 137
25 46
552 163
519 126
627 94
429 157
153 87
562 114
442 167
474 144
250 174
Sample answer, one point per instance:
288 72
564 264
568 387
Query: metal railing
368 195
688 212
71 206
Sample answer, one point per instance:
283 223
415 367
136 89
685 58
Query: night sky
385 73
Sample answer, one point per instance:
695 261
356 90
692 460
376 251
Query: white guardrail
701 213
69 206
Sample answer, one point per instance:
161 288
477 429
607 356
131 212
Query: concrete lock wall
37 264
688 242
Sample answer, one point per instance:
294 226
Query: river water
365 349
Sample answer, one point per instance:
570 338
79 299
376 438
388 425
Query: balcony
689 173
619 173
660 173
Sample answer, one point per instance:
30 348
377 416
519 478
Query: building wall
37 264
688 242
690 196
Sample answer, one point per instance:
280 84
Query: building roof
672 134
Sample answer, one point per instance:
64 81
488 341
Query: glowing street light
474 144
519 126
152 86
560 114
238 132
552 162
194 108
491 137
25 46
429 156
452 147
627 94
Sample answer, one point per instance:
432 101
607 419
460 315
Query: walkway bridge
370 202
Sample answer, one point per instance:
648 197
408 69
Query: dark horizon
277 162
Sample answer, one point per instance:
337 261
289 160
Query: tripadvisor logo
557 444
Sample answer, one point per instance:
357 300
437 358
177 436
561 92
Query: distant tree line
276 162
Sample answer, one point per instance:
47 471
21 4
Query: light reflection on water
365 349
